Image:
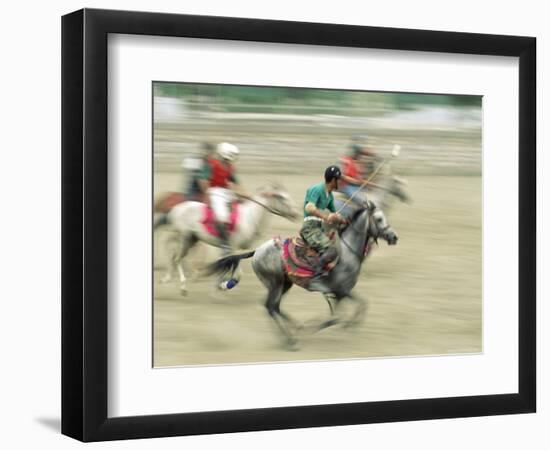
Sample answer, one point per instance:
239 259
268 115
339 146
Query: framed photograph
272 224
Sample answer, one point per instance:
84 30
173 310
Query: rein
359 256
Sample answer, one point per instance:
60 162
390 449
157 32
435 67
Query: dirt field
424 294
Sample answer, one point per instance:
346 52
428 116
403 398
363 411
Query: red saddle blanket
299 261
209 223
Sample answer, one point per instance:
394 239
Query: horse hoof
183 292
351 324
292 345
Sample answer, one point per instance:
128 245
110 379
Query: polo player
221 183
356 170
318 200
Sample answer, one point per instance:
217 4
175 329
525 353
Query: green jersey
322 199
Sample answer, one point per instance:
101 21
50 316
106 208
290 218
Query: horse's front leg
273 308
334 319
287 318
183 280
359 313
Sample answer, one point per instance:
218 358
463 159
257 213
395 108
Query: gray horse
365 226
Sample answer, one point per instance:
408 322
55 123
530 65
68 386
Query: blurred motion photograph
301 224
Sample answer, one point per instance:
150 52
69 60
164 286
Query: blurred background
424 294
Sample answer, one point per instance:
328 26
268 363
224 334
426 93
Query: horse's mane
357 213
354 216
370 206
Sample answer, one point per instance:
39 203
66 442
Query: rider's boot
327 257
223 233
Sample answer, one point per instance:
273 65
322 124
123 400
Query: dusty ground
424 294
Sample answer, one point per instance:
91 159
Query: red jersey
350 168
220 174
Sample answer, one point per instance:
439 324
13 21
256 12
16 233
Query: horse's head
279 201
378 226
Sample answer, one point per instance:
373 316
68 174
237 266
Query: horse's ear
371 205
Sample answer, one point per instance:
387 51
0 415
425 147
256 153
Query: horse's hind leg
187 244
272 304
172 248
290 321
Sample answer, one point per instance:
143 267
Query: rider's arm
356 181
333 217
350 180
314 211
330 205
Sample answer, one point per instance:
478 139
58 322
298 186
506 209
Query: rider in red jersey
219 181
355 171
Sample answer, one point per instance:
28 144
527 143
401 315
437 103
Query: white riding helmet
227 151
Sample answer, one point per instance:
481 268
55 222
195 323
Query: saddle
299 261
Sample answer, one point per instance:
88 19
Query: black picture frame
84 224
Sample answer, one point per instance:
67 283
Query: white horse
186 219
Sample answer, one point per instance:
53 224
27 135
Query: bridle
380 232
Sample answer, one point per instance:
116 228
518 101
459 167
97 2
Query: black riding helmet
332 172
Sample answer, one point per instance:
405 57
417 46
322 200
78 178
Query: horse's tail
227 264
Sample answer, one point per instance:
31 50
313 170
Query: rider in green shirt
318 200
